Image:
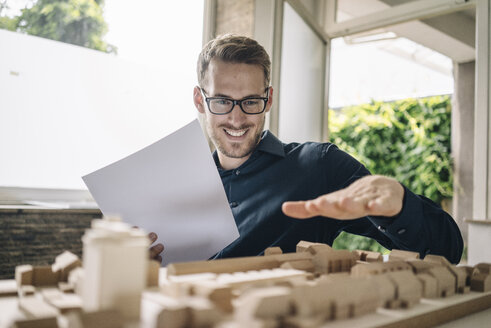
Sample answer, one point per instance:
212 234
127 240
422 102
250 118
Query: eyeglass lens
224 105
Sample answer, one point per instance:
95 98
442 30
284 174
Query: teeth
236 133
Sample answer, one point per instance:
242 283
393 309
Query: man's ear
199 102
270 99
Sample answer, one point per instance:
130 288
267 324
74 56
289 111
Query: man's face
236 134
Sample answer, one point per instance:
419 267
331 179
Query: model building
315 286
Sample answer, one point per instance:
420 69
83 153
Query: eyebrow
227 96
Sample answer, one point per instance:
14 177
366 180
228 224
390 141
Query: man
283 193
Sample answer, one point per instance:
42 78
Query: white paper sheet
172 188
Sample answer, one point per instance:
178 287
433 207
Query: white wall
301 82
66 111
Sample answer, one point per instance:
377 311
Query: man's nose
237 114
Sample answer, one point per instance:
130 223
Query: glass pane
301 85
71 110
383 65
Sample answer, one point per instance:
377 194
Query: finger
153 237
341 207
296 210
156 250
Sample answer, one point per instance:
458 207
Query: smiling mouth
235 133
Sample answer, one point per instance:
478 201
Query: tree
6 22
78 22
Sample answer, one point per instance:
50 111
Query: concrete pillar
235 17
463 142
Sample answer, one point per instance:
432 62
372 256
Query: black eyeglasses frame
236 102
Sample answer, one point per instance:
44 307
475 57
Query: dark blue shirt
278 172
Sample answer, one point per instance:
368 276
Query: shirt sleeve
422 226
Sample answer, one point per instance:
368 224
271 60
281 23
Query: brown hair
234 49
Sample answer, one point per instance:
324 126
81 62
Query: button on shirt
277 172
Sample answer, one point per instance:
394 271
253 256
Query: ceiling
452 35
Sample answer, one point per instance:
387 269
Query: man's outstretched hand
371 195
156 249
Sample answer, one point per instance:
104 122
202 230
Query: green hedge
406 139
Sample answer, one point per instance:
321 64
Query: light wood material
8 288
235 264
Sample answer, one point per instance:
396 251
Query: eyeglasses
224 105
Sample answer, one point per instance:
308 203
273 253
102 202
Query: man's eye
222 102
250 102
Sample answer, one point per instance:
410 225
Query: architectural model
315 286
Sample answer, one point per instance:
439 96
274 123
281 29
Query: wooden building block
481 282
483 267
303 245
400 255
26 290
34 307
353 298
305 265
309 301
153 273
386 289
408 286
481 278
264 303
64 263
429 284
316 248
361 270
217 293
115 258
23 274
205 317
235 264
460 276
99 319
336 299
187 312
44 276
50 322
66 287
445 279
460 279
420 266
76 279
368 256
259 278
8 288
304 322
62 301
174 317
331 261
436 259
272 251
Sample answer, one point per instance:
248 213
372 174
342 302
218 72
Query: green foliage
78 22
351 242
406 139
6 22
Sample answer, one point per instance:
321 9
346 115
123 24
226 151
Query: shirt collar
269 143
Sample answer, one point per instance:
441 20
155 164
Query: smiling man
283 193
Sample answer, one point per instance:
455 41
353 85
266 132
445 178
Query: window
67 110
